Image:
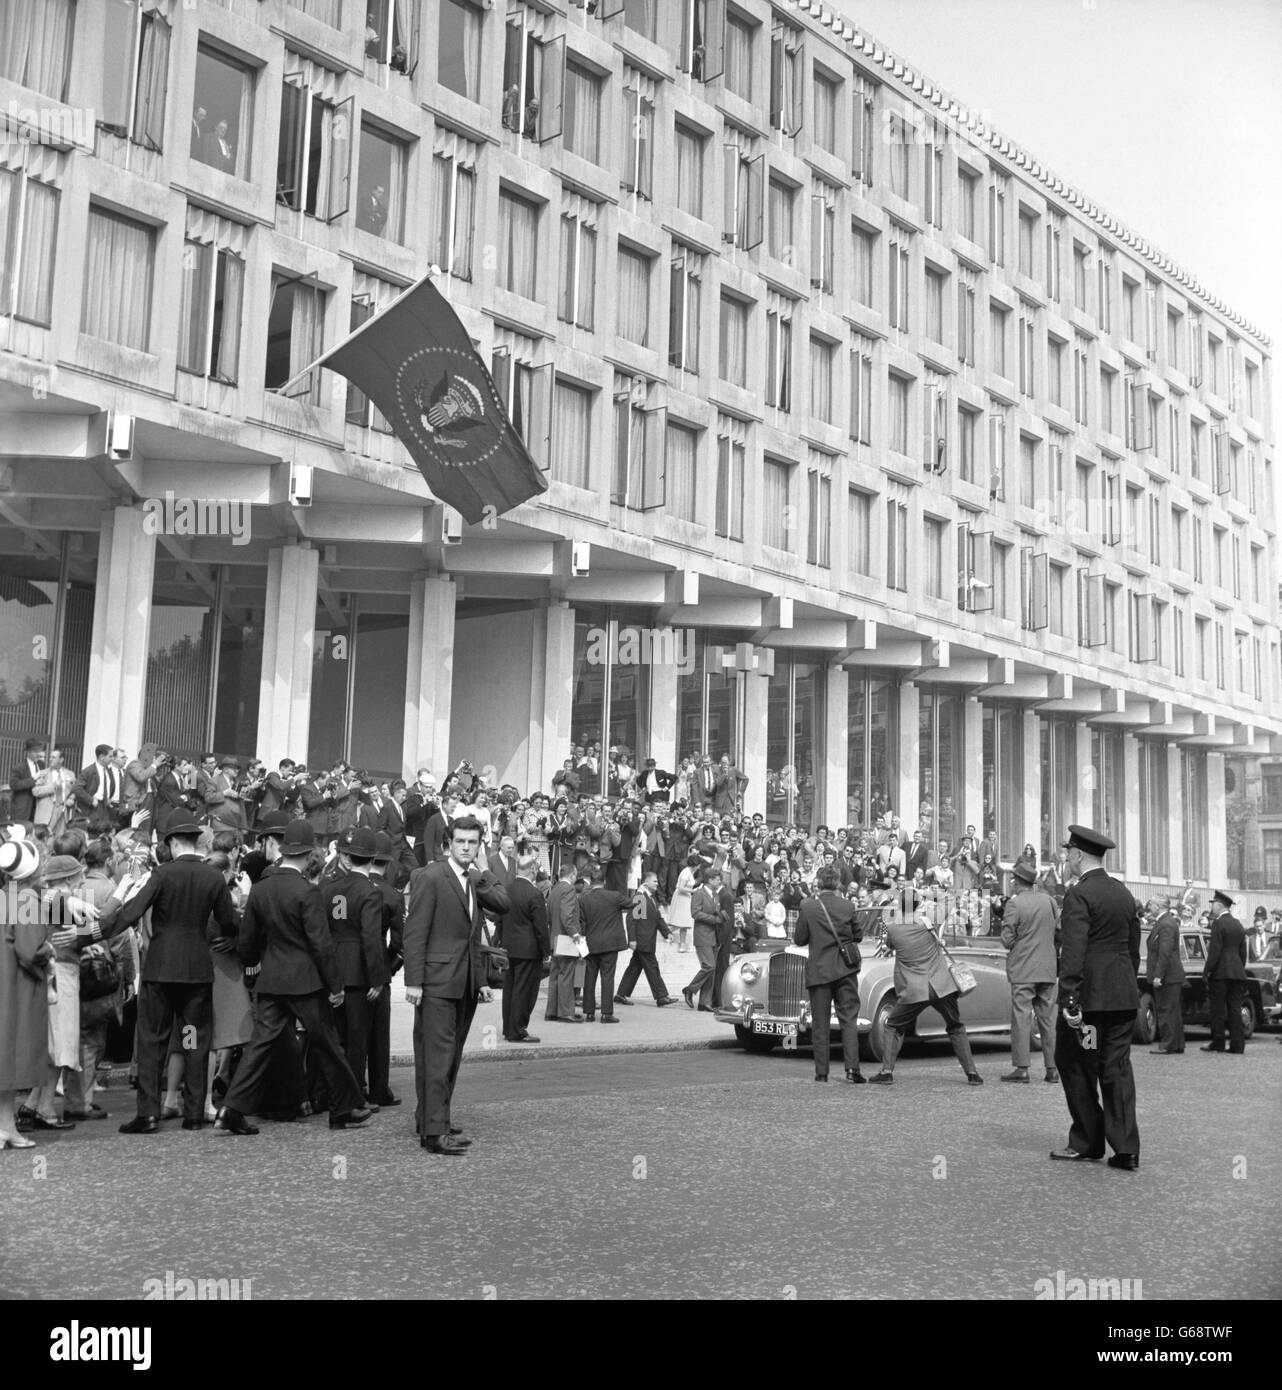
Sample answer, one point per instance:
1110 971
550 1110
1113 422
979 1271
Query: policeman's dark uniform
380 1031
1099 959
1226 977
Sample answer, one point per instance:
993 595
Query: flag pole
320 361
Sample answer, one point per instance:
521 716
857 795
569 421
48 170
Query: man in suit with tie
523 934
705 908
704 785
393 823
434 845
645 925
191 909
22 778
98 787
1099 960
916 856
1225 975
728 784
392 935
601 915
444 974
1166 976
287 948
280 788
656 784
1028 933
564 930
420 804
503 861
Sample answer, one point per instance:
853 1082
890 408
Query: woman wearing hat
24 990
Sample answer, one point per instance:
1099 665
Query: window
935 398
966 321
1028 495
731 455
573 433
1214 353
454 191
781 239
135 68
35 45
380 199
1027 241
862 139
682 471
934 541
896 545
1057 453
1141 629
703 25
28 234
777 523
533 79
818 518
1027 338
1155 801
1196 821
295 336
639 16
1155 528
897 404
1173 433
997 316
997 452
684 300
1179 529
327 11
997 219
1054 250
1107 393
739 36
1201 633
1199 546
1221 679
526 393
1196 365
821 356
210 311
634 296
1105 294
1174 337
576 298
118 275
1092 610
859 513
690 147
640 437
935 281
966 431
1055 371
974 566
518 244
899 253
1197 430
369 296
743 197
899 138
787 52
1001 589
779 359
1152 310
1110 504
1177 641
1081 259
823 236
864 243
1131 315
1034 598
581 118
934 165
314 155
733 355
1081 381
825 133
1253 389
861 391
1057 588
638 144
222 112
391 33
968 196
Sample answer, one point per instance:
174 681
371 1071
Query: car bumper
758 1020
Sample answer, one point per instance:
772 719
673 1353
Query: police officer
380 1031
1225 975
1099 959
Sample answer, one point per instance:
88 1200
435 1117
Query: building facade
878 457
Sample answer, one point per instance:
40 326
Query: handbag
847 950
494 958
962 975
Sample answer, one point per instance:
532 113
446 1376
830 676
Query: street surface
703 1173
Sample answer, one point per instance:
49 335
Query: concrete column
755 705
836 732
121 631
1174 816
906 786
429 677
1130 827
289 641
663 716
1032 768
1217 833
971 809
553 698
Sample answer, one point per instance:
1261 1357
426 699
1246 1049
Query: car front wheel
1145 1020
872 1044
754 1042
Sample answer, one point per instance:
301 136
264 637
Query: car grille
787 984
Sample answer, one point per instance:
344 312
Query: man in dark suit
563 931
1099 960
725 935
287 948
523 934
280 788
98 787
729 784
680 838
826 922
420 804
22 778
916 856
566 779
627 824
190 910
655 784
1166 976
354 911
170 799
601 918
645 926
444 974
434 845
503 861
392 935
705 909
703 785
1225 975
393 823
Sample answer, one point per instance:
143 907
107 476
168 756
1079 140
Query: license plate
775 1029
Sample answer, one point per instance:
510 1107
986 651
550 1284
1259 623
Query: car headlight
749 972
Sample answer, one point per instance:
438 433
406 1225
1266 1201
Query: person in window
219 149
199 119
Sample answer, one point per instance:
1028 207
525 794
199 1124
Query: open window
391 34
1222 461
295 337
975 592
935 442
640 448
210 312
1110 519
997 456
787 78
1034 583
314 153
823 238
638 147
743 225
135 73
685 295
1143 628
863 135
1139 415
703 38
533 81
526 393
1092 609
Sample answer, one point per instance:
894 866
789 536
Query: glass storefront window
179 676
1193 770
611 700
1003 778
1108 789
1154 809
794 747
941 766
1058 743
872 739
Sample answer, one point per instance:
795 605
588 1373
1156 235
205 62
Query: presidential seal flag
417 364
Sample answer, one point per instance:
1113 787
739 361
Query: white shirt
461 875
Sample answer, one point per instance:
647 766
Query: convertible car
763 994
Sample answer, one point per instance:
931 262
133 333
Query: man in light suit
444 974
1028 933
1225 975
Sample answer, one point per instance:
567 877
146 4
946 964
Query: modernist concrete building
950 488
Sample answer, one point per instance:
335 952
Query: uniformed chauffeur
1099 958
1225 975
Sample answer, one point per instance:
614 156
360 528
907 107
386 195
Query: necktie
467 893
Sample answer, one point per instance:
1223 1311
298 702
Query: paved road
683 1175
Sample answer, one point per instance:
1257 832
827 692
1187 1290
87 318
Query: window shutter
340 160
552 91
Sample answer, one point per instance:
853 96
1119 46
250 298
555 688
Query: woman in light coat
680 919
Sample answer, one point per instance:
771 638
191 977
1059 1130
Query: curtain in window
634 298
689 175
117 298
785 365
681 472
35 44
776 508
193 309
573 415
587 277
305 336
228 294
469 32
153 75
638 15
820 381
734 343
32 259
518 241
327 11
738 60
781 223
